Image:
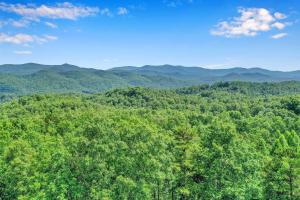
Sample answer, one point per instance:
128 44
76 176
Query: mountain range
33 78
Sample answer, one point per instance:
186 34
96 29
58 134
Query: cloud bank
251 22
59 11
25 38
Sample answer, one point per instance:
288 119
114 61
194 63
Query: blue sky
106 33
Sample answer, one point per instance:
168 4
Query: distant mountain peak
67 64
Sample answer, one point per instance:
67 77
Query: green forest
226 141
32 78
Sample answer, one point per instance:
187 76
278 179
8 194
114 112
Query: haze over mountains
36 78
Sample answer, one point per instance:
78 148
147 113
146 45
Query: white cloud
59 11
31 13
25 38
50 37
15 23
23 52
122 11
16 39
279 35
51 25
250 22
279 15
279 25
19 23
106 12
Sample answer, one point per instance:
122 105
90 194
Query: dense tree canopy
227 141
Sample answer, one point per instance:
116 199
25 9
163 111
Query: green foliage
31 78
225 141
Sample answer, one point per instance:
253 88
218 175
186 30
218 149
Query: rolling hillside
36 78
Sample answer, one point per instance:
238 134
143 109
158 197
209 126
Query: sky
107 33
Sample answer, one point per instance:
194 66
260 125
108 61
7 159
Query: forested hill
34 78
206 90
226 141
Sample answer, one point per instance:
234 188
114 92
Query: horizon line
157 65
